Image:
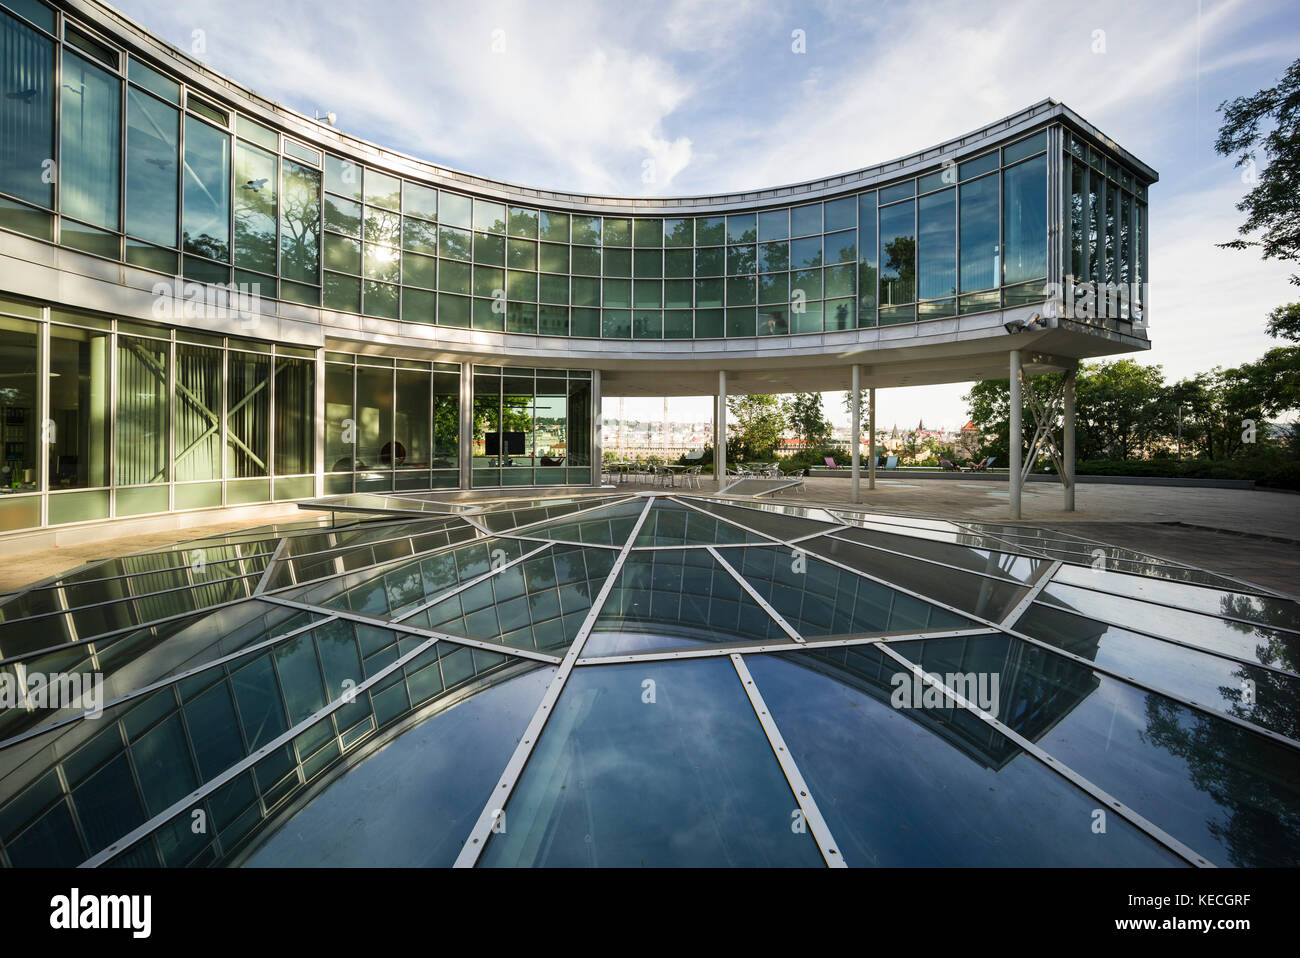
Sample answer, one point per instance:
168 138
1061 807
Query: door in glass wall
375 458
487 454
78 451
340 428
19 418
295 415
517 439
445 454
579 434
551 429
410 452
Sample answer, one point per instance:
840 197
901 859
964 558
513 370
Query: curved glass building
469 655
209 301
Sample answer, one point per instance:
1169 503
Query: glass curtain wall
26 127
390 425
89 143
152 419
531 427
1104 241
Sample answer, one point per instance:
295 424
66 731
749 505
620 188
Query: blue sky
710 96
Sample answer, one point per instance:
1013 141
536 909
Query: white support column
855 430
871 438
597 429
1067 441
720 431
465 427
1015 438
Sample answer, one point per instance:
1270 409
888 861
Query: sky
689 97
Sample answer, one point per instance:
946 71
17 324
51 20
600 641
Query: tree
1272 206
757 426
807 419
864 408
1117 409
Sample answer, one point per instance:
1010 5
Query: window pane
937 244
446 420
152 153
198 412
248 415
1025 220
411 421
897 254
339 423
295 416
91 138
300 223
867 259
27 113
20 397
374 418
140 442
255 211
207 191
979 234
78 454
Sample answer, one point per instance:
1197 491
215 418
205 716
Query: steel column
1067 440
855 431
1015 439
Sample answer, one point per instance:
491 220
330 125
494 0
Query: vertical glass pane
411 421
517 418
979 234
90 127
1076 263
552 422
1024 207
446 420
295 416
207 191
340 427
255 210
897 254
19 406
140 440
78 454
300 223
248 415
152 154
374 418
198 412
26 113
937 244
867 261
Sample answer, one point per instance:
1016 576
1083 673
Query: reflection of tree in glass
1263 823
900 259
1280 649
300 223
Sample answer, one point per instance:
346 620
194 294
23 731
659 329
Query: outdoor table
674 473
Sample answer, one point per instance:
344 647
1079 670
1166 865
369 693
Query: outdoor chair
831 463
891 462
948 465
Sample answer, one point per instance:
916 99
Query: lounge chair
948 465
891 462
831 463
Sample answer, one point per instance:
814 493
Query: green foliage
1284 322
1273 471
815 459
807 418
1272 206
756 428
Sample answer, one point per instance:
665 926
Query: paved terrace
1251 534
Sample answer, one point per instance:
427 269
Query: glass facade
531 427
136 419
324 229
